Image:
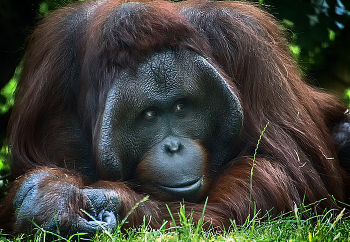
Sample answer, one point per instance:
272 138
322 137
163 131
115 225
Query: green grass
330 226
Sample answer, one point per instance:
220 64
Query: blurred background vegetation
318 32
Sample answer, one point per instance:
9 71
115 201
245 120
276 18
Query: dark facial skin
173 120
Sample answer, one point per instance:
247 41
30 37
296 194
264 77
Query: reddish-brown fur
65 81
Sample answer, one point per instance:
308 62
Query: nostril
173 147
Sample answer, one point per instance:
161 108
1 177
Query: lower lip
184 189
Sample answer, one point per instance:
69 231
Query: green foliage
318 32
313 26
4 164
48 5
347 97
8 95
7 92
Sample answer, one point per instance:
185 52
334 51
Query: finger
109 218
